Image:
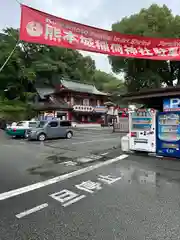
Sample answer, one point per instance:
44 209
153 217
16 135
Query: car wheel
26 134
41 137
69 135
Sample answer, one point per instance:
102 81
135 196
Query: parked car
11 125
51 129
21 128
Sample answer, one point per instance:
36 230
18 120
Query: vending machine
142 128
168 129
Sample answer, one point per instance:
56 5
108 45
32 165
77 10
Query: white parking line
38 185
32 210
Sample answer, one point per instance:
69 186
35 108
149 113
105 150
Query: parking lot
23 162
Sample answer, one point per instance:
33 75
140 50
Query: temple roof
82 87
44 91
52 104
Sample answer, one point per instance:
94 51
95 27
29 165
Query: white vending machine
142 130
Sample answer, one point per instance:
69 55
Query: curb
145 154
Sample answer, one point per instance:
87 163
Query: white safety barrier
125 143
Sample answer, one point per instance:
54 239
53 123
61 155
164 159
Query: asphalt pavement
86 188
125 197
23 163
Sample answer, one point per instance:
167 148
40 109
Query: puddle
45 173
58 159
39 170
140 176
55 165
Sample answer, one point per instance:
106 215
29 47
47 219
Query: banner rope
11 53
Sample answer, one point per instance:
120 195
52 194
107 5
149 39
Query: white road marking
69 163
73 201
89 158
91 141
38 185
64 196
108 179
103 154
32 210
89 186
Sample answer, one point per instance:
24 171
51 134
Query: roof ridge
75 81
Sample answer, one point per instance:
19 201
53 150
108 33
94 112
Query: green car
20 130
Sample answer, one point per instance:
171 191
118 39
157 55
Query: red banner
43 28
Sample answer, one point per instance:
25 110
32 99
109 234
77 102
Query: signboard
43 28
171 104
100 109
49 115
81 108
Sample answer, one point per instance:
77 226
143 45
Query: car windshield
20 124
41 124
33 124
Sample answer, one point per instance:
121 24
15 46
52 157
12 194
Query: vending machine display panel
168 134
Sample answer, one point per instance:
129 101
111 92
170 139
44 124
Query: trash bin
125 143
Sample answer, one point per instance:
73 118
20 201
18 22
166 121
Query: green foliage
141 73
108 83
35 63
15 110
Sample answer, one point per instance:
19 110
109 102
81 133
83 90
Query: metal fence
122 126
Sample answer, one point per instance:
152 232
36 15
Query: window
20 124
53 124
65 124
98 103
32 124
41 124
86 102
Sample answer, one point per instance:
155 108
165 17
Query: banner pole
2 67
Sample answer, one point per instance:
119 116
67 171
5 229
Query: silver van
50 129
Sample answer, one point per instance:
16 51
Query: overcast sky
98 13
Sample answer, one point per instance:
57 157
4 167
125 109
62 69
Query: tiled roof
46 107
81 87
44 91
52 104
58 101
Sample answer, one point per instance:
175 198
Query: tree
141 73
35 63
108 83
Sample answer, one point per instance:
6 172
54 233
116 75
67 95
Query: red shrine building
72 101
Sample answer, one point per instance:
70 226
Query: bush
15 110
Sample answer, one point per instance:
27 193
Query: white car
21 128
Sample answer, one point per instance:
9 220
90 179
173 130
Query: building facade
73 101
